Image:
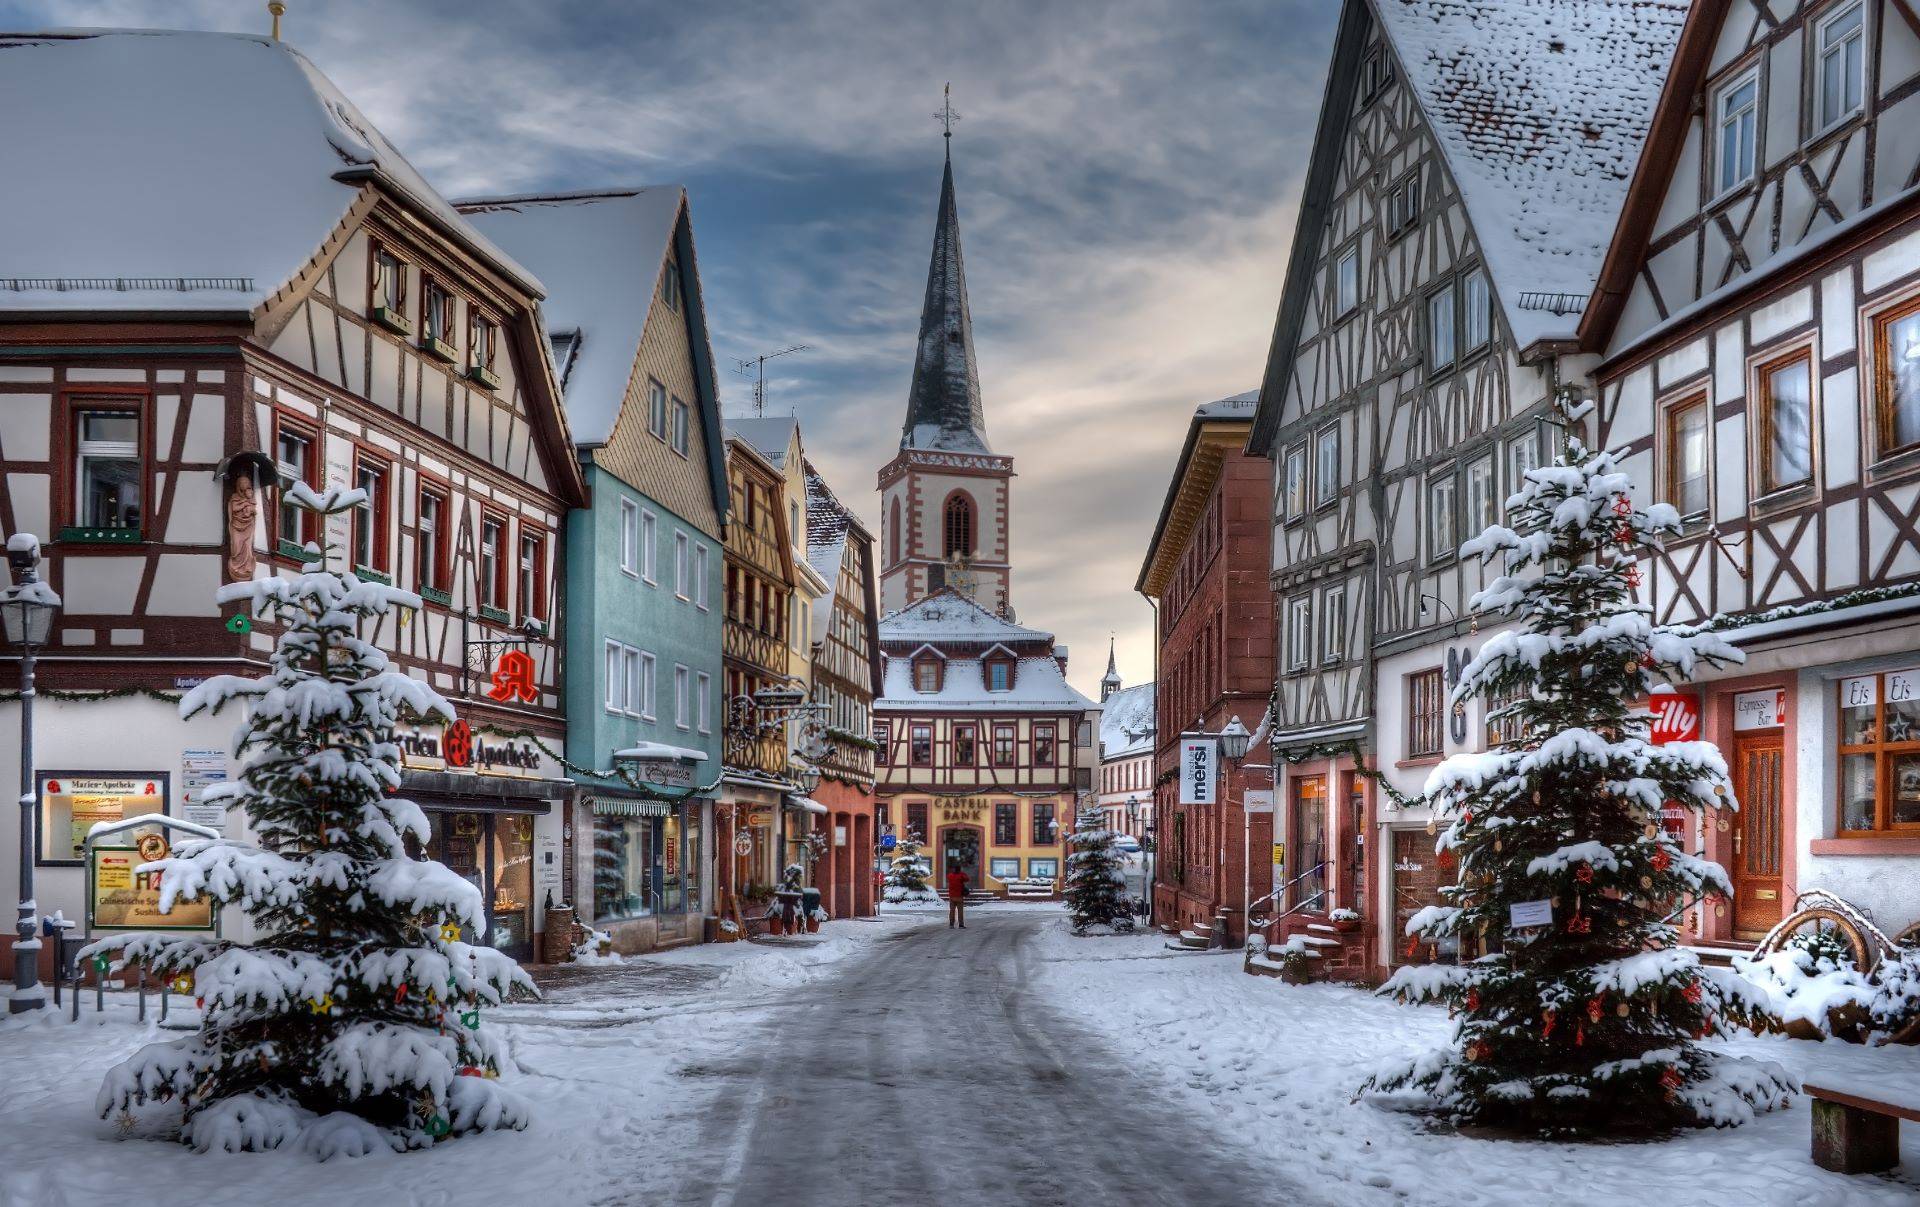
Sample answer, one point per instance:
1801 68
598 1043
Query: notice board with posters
119 897
73 802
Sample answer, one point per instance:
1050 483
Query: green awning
626 806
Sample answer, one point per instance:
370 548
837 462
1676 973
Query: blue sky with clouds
1126 172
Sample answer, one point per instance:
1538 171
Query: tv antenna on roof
756 367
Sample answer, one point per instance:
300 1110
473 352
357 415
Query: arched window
893 535
959 524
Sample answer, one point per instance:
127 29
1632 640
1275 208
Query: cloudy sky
1127 172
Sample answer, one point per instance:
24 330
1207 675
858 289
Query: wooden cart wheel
1821 921
1910 937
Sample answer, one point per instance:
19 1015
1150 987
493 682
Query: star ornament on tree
1565 813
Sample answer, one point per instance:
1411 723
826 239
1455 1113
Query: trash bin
810 908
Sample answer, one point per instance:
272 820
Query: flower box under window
296 551
496 615
393 320
100 536
367 574
435 595
436 347
484 376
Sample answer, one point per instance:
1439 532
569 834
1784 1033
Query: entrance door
1758 773
494 853
959 848
1307 852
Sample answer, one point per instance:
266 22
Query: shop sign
968 808
1673 818
546 868
201 769
1676 718
1903 687
513 678
1768 709
71 805
120 898
839 836
456 747
760 819
1860 692
743 843
665 773
1279 854
1198 757
1258 801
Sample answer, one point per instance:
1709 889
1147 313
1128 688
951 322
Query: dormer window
999 675
926 674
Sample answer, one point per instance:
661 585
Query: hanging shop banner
71 805
1764 709
459 748
120 898
1676 718
1257 801
1198 772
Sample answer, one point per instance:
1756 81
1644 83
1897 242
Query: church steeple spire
943 405
1110 682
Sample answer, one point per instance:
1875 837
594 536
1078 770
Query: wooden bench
1856 1122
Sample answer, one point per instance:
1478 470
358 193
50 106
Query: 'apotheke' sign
460 749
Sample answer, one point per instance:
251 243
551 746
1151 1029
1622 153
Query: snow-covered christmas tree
907 874
1096 889
352 1023
1583 1016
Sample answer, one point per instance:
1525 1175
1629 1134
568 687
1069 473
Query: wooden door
1758 782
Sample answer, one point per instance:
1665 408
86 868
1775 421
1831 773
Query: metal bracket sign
1199 759
120 898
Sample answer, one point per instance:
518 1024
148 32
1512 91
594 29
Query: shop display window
1879 753
73 802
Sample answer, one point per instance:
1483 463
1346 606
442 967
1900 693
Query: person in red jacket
956 897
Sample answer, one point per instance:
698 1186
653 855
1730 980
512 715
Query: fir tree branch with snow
907 874
1588 1023
1096 890
352 1024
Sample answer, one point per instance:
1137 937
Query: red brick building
1206 573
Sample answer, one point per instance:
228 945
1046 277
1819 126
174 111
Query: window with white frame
1442 345
703 701
1736 117
1299 631
682 566
1476 311
1403 205
700 577
1296 482
107 455
682 697
1326 466
616 677
1346 281
1483 507
1785 421
649 531
681 422
640 666
1686 456
1333 625
630 537
1840 49
1443 538
1523 454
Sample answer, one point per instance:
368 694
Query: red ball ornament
1445 858
1473 999
1583 873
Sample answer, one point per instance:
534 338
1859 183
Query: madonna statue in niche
243 508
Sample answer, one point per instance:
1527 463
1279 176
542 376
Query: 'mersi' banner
1199 759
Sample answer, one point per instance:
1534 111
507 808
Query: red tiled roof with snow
1540 108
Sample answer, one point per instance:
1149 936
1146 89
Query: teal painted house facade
644 559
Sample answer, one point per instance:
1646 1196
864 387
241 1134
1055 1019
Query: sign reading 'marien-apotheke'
1198 770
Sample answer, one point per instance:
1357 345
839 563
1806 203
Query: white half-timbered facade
353 331
1453 221
1759 327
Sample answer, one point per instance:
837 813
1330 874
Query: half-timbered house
846 680
222 279
986 750
1469 161
1758 320
626 318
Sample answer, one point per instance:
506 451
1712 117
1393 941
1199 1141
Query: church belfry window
959 525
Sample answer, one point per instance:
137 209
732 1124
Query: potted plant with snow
811 910
1346 921
1293 965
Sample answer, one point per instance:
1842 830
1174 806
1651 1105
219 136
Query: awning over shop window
481 793
627 806
806 804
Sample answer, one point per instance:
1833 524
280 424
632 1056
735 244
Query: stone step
1323 928
1317 941
1191 939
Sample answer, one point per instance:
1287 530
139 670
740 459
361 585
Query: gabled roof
771 436
944 411
1038 683
599 254
160 171
830 528
1539 108
1127 722
948 616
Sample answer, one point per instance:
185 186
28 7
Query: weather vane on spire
946 117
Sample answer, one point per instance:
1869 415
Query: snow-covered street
898 1061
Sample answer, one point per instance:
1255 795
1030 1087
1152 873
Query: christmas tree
1583 1016
352 1023
907 877
1096 885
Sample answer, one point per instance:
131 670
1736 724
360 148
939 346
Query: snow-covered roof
946 616
1540 108
1126 722
944 410
599 254
151 170
1038 683
828 523
1238 406
771 436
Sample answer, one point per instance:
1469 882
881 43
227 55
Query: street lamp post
27 608
1235 738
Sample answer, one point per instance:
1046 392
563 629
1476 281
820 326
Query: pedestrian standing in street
956 897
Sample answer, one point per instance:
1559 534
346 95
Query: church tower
945 515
